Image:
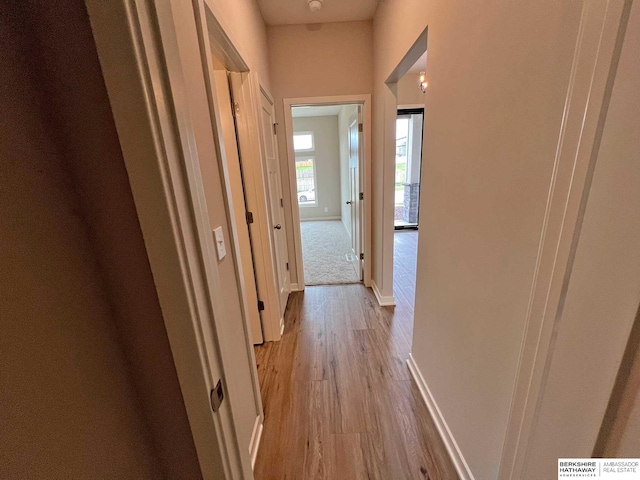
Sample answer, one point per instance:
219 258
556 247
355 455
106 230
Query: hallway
338 397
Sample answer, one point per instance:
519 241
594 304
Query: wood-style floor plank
339 401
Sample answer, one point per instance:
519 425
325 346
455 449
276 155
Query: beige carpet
326 253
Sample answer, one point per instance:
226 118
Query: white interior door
354 192
276 210
244 244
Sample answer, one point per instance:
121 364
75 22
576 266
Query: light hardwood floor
338 397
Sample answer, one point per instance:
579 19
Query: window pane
302 141
306 181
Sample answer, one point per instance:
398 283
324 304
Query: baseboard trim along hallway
447 437
383 301
296 288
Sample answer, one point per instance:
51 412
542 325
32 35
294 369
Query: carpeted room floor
326 252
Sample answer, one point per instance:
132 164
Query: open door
276 205
236 182
355 200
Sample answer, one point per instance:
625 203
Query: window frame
315 180
313 141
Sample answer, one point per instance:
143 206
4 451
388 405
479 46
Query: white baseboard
294 287
315 219
387 301
256 436
447 437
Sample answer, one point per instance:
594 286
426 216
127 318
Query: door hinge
361 195
360 127
274 129
287 264
217 395
362 256
281 203
260 305
235 109
249 217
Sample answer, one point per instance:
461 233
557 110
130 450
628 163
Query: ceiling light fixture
422 82
314 5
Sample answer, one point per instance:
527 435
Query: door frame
365 159
597 51
415 110
246 88
137 46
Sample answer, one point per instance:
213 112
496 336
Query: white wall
310 60
498 75
327 164
348 113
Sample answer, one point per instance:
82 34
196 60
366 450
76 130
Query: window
306 181
303 141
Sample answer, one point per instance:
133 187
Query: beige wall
408 91
348 113
327 164
493 113
242 22
316 60
89 389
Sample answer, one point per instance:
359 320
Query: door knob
278 226
349 202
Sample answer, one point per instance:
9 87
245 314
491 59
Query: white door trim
365 227
211 35
137 43
246 88
173 221
585 109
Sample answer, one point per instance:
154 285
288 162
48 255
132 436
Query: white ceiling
321 111
290 12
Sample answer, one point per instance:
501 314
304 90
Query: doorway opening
408 168
326 145
409 123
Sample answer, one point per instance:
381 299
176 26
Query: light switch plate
218 238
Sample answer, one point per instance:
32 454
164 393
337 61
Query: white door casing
364 102
139 47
